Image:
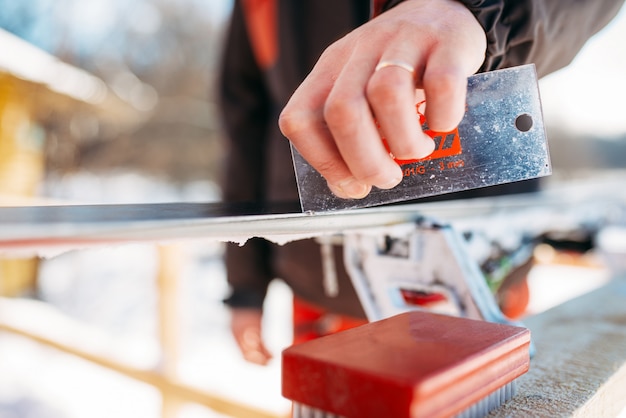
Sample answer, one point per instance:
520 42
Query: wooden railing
45 325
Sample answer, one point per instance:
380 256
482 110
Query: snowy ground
113 289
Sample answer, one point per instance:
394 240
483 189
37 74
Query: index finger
302 122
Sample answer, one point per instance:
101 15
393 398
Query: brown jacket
272 44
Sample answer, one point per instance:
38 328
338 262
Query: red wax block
416 364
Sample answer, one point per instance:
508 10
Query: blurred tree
175 48
161 55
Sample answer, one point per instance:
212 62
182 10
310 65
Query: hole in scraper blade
524 122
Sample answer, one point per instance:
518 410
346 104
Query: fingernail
350 189
391 183
428 146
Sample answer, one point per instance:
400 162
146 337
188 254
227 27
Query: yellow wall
21 142
21 171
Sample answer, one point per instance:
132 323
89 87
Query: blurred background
106 101
150 106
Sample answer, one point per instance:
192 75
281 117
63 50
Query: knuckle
383 87
341 110
444 82
291 122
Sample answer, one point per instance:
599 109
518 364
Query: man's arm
546 33
243 102
367 81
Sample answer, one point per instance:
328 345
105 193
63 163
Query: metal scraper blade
501 139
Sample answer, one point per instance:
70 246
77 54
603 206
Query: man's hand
245 325
373 74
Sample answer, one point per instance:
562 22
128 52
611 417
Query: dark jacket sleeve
548 33
244 103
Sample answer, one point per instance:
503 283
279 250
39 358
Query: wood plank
579 369
170 264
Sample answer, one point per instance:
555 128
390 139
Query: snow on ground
113 289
